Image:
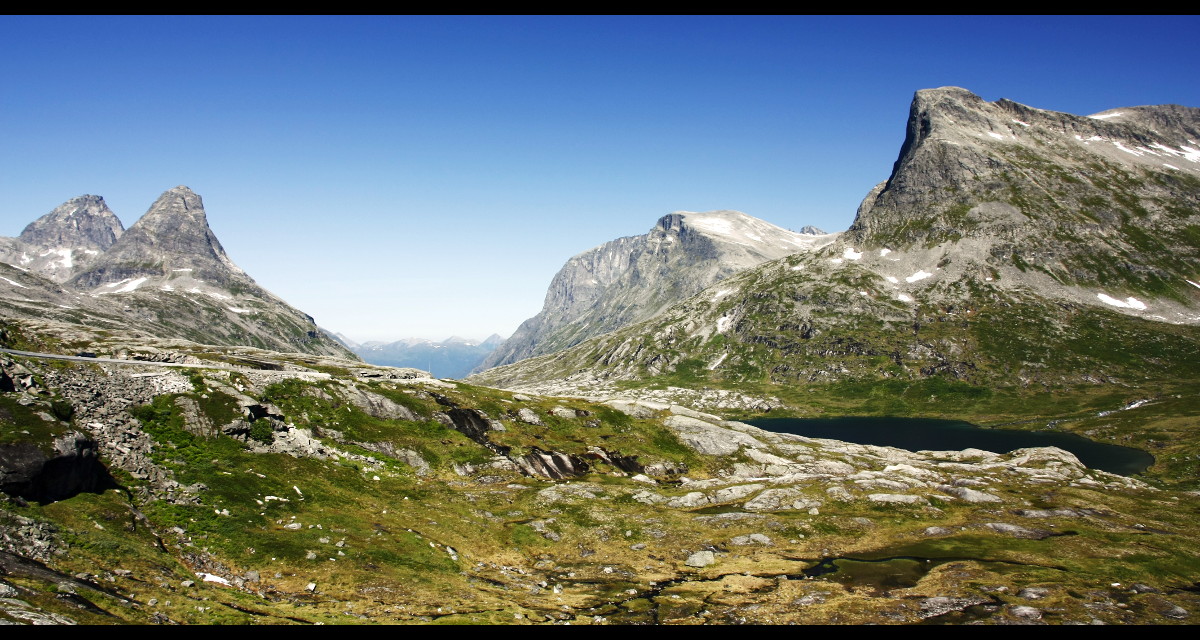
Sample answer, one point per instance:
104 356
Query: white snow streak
851 254
716 363
1169 166
903 298
721 294
798 267
1193 284
1104 116
18 284
1127 150
723 324
1023 124
236 310
180 269
995 135
884 252
892 279
1127 303
134 284
126 285
920 275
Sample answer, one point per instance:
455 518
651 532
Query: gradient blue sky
427 176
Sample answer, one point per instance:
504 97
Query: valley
199 452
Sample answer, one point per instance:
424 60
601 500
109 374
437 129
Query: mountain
1107 201
1011 248
65 240
453 357
633 278
167 276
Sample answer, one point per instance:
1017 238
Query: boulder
701 559
897 498
969 495
751 539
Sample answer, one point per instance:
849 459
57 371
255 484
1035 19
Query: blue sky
427 176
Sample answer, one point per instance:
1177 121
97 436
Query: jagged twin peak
65 240
167 276
170 241
630 279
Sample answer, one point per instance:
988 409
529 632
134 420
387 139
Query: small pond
916 434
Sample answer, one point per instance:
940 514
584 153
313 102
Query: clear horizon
400 177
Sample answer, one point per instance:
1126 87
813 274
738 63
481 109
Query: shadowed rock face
75 467
630 279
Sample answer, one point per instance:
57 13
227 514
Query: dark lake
915 434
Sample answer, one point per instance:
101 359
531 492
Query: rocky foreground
299 491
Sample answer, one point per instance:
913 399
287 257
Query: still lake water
916 434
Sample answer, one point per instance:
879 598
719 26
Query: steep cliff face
1104 200
167 276
631 279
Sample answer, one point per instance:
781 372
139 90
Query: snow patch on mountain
1127 303
126 285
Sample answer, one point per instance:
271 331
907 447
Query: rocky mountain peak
166 276
172 236
84 222
630 279
1007 174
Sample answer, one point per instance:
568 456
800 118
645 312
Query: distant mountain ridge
167 276
454 357
630 279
